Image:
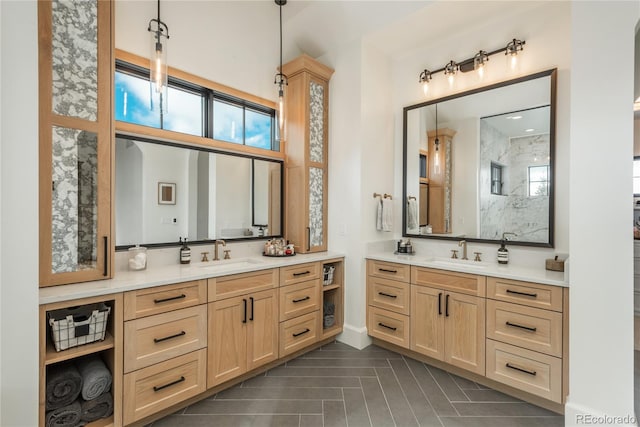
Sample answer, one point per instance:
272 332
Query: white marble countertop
508 271
175 273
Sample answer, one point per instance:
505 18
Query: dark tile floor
338 385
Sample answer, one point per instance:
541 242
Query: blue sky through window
185 113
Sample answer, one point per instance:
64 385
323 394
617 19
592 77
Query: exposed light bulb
425 87
158 68
436 157
514 62
480 70
451 79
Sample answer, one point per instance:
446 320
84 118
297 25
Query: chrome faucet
463 244
215 248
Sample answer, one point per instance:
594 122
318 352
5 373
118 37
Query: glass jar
137 258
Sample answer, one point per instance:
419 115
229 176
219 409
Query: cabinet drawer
464 283
389 326
299 299
147 302
526 370
531 328
526 293
299 273
298 333
389 270
240 284
158 338
388 294
152 389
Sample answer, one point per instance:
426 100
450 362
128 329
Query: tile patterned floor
338 385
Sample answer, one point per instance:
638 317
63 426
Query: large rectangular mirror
166 191
480 163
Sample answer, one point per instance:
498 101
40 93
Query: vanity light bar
476 62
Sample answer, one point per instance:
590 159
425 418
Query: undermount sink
231 264
456 262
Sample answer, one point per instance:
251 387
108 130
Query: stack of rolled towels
78 392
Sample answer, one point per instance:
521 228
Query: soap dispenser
503 252
185 252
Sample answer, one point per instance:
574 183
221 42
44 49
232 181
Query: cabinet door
427 321
317 179
465 331
75 123
227 338
262 329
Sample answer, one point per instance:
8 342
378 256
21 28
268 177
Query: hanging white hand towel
412 213
387 214
379 216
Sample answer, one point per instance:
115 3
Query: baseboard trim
580 415
355 337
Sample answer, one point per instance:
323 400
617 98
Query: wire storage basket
74 326
327 275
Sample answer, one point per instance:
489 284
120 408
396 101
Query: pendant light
436 156
281 82
158 76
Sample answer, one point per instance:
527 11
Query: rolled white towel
379 216
412 213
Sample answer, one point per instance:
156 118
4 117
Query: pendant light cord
158 14
436 141
281 39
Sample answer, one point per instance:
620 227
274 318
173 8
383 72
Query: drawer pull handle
161 300
179 334
301 274
302 299
387 295
301 333
527 328
510 366
160 387
387 326
384 270
524 294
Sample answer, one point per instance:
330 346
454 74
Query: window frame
500 168
546 181
210 91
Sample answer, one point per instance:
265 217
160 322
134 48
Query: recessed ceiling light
514 117
529 130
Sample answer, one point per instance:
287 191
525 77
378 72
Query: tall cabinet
306 149
440 173
76 133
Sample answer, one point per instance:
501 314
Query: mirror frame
214 151
552 74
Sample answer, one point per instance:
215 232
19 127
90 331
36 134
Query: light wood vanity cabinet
509 332
306 149
446 325
527 337
165 342
243 329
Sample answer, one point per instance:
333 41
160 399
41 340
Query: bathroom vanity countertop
169 274
508 271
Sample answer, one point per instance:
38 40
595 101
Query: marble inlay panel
73 220
315 206
316 119
75 58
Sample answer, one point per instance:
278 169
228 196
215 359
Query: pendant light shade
158 75
281 83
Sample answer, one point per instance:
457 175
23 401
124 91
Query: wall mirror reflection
216 195
480 163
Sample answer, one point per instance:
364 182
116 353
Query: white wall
19 214
601 325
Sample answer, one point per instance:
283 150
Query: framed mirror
165 191
481 163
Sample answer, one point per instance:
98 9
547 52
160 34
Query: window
194 110
539 180
636 176
497 172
